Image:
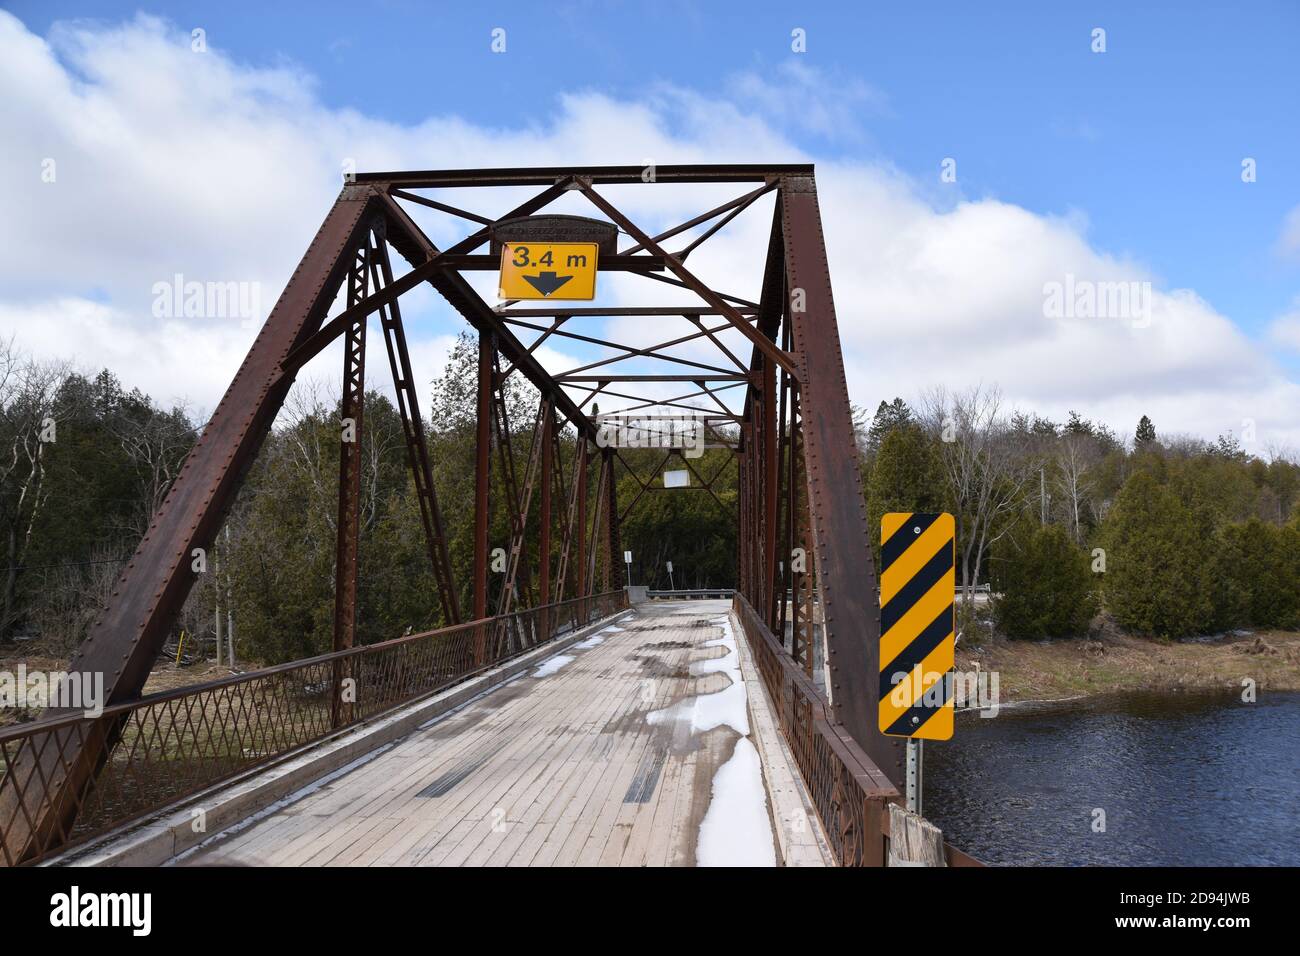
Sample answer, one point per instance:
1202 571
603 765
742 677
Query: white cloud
1285 329
1288 240
802 98
174 162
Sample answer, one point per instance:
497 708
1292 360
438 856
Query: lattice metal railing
169 746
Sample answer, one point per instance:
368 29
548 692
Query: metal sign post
627 559
914 776
671 585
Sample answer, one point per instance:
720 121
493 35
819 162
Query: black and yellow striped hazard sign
917 586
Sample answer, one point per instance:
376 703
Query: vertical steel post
482 478
351 415
482 473
771 491
544 535
581 526
610 555
912 783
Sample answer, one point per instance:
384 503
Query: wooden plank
567 766
913 840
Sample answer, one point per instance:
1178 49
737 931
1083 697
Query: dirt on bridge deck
629 748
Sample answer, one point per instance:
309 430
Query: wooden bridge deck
629 748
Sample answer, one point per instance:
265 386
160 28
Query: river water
1183 779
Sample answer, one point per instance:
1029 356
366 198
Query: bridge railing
173 745
848 791
692 594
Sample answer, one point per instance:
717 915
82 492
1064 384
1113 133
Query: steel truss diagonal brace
845 565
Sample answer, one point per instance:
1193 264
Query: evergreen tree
1258 576
1078 425
889 415
1146 433
1160 562
907 476
1044 585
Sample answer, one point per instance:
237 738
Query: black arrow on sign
547 282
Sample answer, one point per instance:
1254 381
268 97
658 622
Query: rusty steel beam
352 412
351 428
734 207
416 248
426 265
441 207
610 542
616 377
520 510
572 528
546 175
417 446
489 263
544 518
580 528
595 542
612 311
482 471
687 278
846 570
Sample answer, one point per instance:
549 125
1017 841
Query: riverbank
1115 662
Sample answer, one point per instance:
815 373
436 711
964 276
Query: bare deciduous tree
987 466
28 422
1075 457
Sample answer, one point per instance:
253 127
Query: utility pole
216 596
1042 493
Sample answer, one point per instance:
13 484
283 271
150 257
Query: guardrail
164 748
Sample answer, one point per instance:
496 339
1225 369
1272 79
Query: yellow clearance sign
917 586
548 270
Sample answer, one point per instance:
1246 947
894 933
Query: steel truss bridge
766 374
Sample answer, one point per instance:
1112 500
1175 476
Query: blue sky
1117 165
1145 140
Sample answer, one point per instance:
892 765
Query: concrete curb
799 836
157 840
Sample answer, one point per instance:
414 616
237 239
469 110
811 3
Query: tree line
1172 537
86 463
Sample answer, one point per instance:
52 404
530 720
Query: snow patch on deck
553 665
736 829
728 706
